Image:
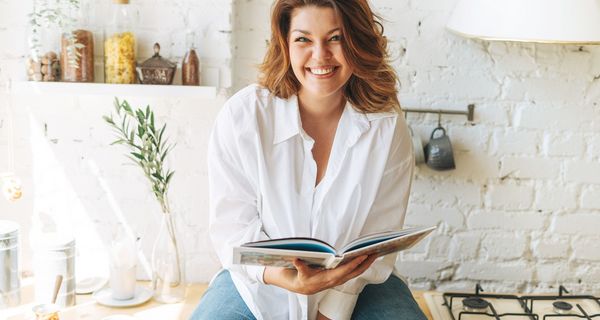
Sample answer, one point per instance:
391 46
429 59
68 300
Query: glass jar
190 67
43 62
77 48
10 295
120 45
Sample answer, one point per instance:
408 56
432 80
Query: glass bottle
168 263
120 45
190 68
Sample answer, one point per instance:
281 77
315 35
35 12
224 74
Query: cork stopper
121 1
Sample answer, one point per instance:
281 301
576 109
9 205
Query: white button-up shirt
262 186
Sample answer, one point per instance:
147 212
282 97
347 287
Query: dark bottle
190 68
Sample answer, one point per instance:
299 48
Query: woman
316 150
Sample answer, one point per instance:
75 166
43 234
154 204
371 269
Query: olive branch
147 148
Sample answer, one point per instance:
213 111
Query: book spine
332 262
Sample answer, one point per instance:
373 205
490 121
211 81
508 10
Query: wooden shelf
76 88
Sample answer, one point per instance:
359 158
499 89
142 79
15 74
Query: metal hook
439 118
405 114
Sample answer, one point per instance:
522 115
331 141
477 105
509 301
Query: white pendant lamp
546 21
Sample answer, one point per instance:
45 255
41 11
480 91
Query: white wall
521 211
73 180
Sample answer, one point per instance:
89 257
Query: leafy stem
147 146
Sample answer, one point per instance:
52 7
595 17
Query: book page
373 238
389 246
278 257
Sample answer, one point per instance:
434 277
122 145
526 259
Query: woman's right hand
307 280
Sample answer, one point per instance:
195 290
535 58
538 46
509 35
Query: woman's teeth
321 71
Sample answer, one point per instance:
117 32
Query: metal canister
10 294
54 254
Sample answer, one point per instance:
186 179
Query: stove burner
475 304
562 307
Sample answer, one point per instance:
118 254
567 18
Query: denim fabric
222 301
389 300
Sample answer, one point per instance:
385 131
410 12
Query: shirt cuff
338 305
256 273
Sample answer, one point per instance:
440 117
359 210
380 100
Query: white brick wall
526 188
520 212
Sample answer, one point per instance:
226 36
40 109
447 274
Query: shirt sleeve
234 218
387 212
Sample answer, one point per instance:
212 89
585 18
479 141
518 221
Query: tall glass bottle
120 45
190 68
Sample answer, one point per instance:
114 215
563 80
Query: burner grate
478 305
562 307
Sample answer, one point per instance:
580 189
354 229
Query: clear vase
168 264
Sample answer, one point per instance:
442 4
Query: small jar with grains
120 45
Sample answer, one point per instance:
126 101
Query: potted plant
148 148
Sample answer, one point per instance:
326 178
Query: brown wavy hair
371 87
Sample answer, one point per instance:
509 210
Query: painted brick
504 271
511 141
582 171
553 248
572 145
510 196
445 193
469 138
464 247
423 215
576 224
503 246
553 197
439 246
549 116
587 249
530 168
422 269
554 272
590 198
505 220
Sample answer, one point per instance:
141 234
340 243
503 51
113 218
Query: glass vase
168 264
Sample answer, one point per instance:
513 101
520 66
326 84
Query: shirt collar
287 120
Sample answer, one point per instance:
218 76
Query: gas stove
478 305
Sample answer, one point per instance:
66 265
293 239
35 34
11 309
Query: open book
317 253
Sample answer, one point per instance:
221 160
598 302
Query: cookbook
317 253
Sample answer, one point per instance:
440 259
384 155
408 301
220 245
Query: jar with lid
120 45
190 67
77 48
9 264
54 254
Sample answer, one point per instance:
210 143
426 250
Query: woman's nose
321 52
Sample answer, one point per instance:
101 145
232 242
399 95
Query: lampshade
549 21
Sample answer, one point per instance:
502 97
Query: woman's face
315 42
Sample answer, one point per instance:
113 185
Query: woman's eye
336 38
301 39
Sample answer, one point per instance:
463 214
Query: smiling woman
318 150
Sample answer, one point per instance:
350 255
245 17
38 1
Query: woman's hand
320 316
306 280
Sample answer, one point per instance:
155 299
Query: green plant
147 146
48 13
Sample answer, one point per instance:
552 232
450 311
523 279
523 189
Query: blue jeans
389 300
